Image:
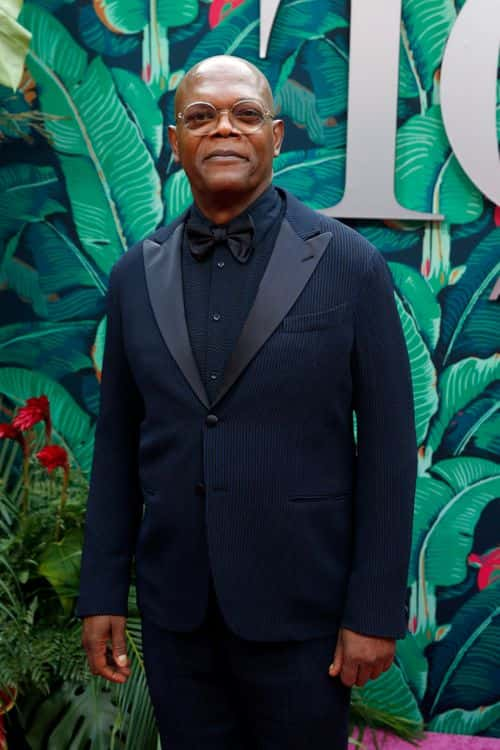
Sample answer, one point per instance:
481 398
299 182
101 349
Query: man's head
226 162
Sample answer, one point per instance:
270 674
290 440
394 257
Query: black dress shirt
219 291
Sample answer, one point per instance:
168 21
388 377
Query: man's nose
224 125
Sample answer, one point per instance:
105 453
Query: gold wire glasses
245 115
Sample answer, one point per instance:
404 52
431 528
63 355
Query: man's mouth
221 155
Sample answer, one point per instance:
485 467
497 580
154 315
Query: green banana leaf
468 655
98 146
54 349
71 425
27 193
423 373
326 62
390 697
389 236
459 721
428 176
475 428
99 38
141 107
98 346
425 28
315 176
131 16
448 506
488 434
458 386
177 195
60 264
419 300
411 660
479 226
152 20
471 321
23 279
298 103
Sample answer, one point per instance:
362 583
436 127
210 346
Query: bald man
271 549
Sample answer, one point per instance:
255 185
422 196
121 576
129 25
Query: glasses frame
268 115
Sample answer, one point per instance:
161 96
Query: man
272 558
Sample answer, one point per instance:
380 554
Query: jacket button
211 420
199 489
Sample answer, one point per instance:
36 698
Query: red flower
13 433
53 456
35 410
219 9
489 567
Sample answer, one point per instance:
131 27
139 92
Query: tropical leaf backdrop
97 176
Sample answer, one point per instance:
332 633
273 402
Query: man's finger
349 672
336 664
119 645
364 674
99 665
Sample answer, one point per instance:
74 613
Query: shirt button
213 375
220 263
216 316
211 420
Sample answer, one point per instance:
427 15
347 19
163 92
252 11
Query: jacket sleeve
114 504
386 462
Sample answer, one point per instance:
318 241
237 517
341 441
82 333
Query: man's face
226 161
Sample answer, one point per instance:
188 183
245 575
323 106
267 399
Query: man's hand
359 658
110 663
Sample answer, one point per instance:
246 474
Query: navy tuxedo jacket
302 531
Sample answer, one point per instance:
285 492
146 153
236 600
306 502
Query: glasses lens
200 116
247 116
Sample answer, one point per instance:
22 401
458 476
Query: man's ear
174 144
278 135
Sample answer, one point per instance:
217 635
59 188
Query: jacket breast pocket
306 497
315 321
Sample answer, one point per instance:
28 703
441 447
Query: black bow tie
238 234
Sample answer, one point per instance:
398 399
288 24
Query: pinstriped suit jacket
302 530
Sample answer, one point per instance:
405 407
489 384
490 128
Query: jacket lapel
291 264
162 265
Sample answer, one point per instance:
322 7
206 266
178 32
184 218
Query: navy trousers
212 690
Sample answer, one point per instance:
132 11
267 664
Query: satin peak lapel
162 265
289 268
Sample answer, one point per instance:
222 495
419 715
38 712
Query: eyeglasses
202 118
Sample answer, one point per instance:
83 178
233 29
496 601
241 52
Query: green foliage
93 140
41 655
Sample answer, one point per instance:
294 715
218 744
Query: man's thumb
336 665
119 647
